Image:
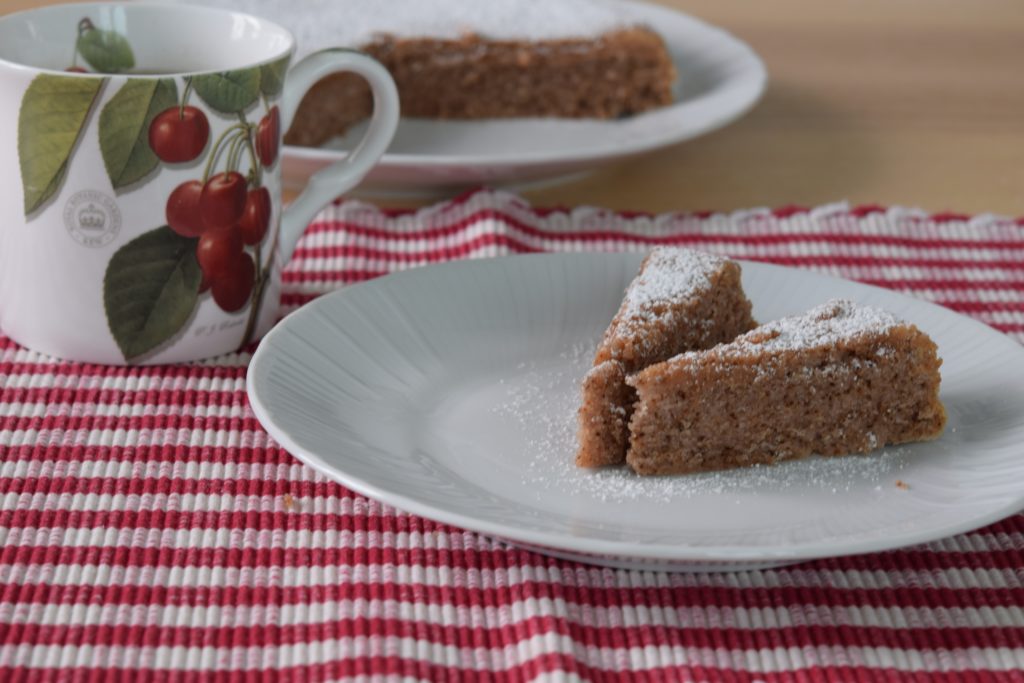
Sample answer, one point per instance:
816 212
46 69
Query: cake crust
840 379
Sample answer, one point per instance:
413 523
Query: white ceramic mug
140 176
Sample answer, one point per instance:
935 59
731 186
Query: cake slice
841 378
475 59
475 76
680 300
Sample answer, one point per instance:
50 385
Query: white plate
720 78
450 392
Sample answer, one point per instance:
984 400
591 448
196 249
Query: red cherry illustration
217 251
183 209
233 287
177 135
223 200
268 137
256 218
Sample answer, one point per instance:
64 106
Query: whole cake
680 300
842 378
471 59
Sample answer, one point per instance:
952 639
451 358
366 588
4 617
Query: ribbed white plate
720 78
449 391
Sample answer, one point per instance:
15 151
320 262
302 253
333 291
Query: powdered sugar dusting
821 327
669 275
833 475
319 24
543 403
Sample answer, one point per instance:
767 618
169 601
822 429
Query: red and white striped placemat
149 528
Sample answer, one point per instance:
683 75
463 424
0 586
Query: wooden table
918 102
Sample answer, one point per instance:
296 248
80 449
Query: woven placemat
149 528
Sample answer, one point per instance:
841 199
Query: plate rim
754 69
591 546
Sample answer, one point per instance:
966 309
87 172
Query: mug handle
325 185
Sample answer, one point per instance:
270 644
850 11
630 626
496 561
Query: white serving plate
720 78
450 392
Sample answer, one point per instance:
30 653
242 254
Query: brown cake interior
841 379
604 415
620 73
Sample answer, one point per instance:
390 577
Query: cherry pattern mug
140 176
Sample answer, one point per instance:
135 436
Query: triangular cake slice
841 378
679 301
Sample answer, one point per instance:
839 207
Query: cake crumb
289 502
900 484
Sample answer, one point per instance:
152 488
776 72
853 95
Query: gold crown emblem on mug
91 218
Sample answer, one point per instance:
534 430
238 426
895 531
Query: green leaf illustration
52 116
272 76
106 51
150 289
229 92
124 128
